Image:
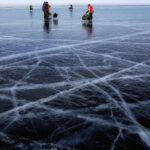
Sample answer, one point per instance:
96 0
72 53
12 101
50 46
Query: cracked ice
71 87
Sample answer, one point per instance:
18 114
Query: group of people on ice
46 10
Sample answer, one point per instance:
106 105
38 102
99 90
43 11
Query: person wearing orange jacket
90 10
46 9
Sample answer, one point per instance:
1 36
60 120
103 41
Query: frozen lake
68 86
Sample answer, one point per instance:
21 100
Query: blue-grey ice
70 86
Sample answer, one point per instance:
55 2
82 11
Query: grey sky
19 2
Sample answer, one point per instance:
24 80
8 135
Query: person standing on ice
43 6
46 9
71 7
31 8
90 11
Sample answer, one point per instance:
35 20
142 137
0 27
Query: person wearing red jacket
90 10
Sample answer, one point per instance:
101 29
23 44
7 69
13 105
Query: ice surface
68 86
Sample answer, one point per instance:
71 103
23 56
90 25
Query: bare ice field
69 86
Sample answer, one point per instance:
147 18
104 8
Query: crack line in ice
128 113
102 79
13 91
13 56
119 103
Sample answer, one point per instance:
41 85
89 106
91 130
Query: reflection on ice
46 26
89 29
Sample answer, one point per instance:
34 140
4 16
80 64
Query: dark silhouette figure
31 8
71 8
55 16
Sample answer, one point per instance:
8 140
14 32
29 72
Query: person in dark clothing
71 7
43 8
31 8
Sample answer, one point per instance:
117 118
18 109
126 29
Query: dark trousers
91 16
46 14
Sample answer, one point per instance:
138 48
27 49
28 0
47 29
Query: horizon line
96 4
